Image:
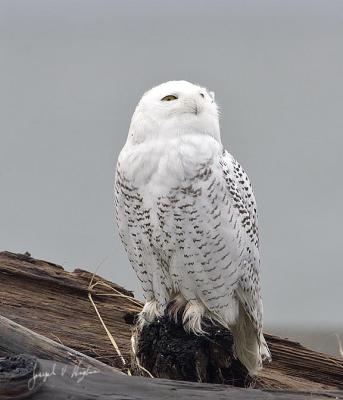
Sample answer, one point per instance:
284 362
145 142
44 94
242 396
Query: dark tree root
167 351
17 376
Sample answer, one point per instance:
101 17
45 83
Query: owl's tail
250 347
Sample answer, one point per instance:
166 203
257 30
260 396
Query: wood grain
58 381
54 303
16 339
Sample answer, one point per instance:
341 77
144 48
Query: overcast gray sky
71 73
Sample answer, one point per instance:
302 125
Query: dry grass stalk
114 343
134 352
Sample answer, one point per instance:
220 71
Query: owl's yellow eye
170 97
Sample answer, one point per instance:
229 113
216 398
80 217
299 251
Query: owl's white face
175 108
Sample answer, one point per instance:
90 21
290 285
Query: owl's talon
149 313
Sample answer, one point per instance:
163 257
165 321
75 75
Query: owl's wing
241 190
248 290
243 199
128 213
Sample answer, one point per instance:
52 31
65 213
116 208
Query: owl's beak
193 107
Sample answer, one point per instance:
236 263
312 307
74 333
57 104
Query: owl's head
175 108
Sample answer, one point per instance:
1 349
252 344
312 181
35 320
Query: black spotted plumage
187 217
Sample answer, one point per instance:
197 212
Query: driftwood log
16 339
52 380
54 303
44 298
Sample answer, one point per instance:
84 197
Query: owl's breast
155 167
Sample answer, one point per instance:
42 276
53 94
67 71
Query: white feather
187 217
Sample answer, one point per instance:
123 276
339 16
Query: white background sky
71 73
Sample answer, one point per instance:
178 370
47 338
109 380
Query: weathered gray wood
16 339
67 382
54 303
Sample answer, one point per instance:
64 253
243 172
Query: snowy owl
186 214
